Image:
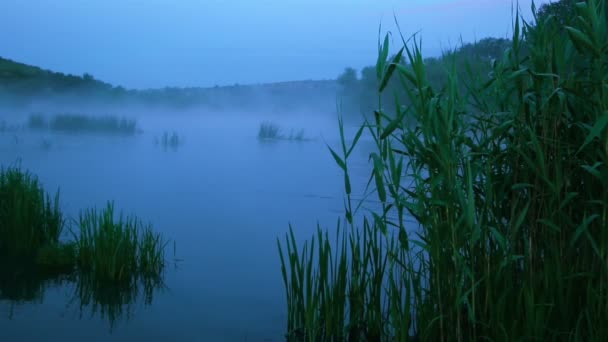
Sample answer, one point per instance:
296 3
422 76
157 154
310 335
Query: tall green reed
118 250
30 218
508 181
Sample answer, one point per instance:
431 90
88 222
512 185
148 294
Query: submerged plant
507 180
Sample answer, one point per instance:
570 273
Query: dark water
223 197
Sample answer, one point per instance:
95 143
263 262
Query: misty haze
303 171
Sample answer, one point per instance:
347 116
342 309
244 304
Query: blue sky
157 43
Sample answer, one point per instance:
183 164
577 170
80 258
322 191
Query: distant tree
563 11
348 78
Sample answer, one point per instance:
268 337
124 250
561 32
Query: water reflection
21 283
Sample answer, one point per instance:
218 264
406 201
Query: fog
194 165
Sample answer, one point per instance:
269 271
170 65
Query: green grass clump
117 251
507 179
271 131
57 258
30 219
76 123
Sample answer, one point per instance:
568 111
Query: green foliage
29 218
563 11
118 251
472 59
19 79
114 259
57 258
507 180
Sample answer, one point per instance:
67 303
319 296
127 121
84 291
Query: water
223 197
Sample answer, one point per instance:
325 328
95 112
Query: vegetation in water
78 123
30 218
507 180
119 249
169 140
111 260
271 131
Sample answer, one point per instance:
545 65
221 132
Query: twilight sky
157 43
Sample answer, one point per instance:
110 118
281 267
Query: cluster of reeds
30 218
271 131
118 249
78 123
508 183
170 140
111 259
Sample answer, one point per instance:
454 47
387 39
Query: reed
171 140
507 180
271 131
78 123
30 219
118 250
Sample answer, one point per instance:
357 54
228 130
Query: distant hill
25 80
21 84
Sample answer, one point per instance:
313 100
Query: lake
222 198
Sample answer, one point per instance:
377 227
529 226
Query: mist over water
222 198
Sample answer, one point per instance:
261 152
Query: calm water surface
223 197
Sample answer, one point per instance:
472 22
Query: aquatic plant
297 136
112 262
30 218
119 250
271 131
268 131
171 140
82 123
78 123
507 181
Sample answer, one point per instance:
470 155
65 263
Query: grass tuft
118 250
30 219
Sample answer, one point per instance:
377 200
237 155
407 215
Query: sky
156 43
